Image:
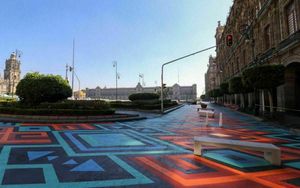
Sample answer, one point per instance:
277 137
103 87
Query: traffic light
229 41
164 86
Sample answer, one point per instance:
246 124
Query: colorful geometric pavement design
156 152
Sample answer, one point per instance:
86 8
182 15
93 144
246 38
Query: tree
225 90
36 88
215 93
264 77
224 87
202 97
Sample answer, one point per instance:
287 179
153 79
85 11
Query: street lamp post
115 64
172 61
78 84
73 67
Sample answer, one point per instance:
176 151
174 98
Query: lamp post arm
172 61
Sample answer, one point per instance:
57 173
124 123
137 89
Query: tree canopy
264 76
36 88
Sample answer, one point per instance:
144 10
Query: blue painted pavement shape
32 155
89 165
70 162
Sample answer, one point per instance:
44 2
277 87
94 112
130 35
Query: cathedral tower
12 73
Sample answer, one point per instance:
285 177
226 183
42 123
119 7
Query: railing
279 108
292 39
263 8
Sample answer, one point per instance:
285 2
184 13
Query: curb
249 115
172 109
67 119
291 130
152 111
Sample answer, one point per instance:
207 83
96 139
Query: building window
291 18
267 37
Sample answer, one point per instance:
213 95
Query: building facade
264 32
176 92
211 79
12 73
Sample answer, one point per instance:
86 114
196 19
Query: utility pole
73 68
172 61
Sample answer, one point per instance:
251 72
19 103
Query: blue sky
139 34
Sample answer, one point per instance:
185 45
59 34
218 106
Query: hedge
149 106
69 112
76 104
143 96
67 104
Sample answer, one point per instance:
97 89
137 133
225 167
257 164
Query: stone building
264 32
176 92
12 74
211 79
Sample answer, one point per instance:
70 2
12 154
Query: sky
140 35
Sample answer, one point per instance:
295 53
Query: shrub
34 111
139 105
143 96
76 104
36 88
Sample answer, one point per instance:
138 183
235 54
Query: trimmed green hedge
69 112
76 104
143 106
143 96
68 107
67 104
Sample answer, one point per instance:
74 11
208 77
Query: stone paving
156 152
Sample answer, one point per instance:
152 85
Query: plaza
155 152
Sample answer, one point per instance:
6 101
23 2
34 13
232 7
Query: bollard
206 119
220 120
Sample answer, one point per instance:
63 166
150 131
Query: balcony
289 42
265 56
